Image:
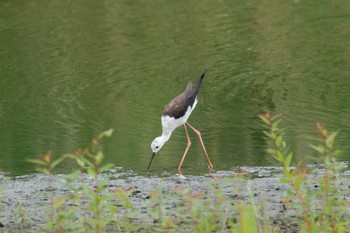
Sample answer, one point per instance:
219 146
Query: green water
71 69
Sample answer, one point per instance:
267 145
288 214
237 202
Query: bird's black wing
178 106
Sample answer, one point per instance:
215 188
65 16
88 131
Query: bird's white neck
165 135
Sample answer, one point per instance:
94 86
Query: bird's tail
192 89
200 79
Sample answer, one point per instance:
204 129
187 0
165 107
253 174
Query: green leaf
267 134
106 133
283 145
287 172
57 161
326 160
122 194
42 170
36 161
278 141
248 219
92 171
273 118
104 198
99 157
285 180
337 152
280 156
277 122
88 192
73 176
298 180
330 139
318 148
264 119
271 151
70 156
80 162
273 135
88 162
274 128
288 159
107 166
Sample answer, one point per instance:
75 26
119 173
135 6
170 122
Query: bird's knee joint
189 143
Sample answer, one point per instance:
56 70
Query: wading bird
176 114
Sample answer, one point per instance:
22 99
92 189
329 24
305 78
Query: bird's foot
181 176
210 168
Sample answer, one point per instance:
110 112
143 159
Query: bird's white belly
171 123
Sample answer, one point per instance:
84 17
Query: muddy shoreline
28 194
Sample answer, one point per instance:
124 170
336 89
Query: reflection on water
70 70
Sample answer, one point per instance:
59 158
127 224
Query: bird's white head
157 144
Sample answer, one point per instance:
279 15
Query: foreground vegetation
316 204
319 210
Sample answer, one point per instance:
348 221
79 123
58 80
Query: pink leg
201 140
188 146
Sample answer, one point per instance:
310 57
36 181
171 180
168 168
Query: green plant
210 210
320 210
46 166
95 218
22 216
91 206
329 195
1 205
88 206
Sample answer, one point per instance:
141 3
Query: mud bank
27 195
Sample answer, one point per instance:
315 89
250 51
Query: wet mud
25 201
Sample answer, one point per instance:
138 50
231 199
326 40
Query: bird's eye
157 147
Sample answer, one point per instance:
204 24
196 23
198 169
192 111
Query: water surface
71 69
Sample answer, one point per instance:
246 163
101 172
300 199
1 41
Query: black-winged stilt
176 114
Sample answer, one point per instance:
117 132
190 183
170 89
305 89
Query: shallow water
71 69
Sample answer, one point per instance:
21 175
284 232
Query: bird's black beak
150 162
